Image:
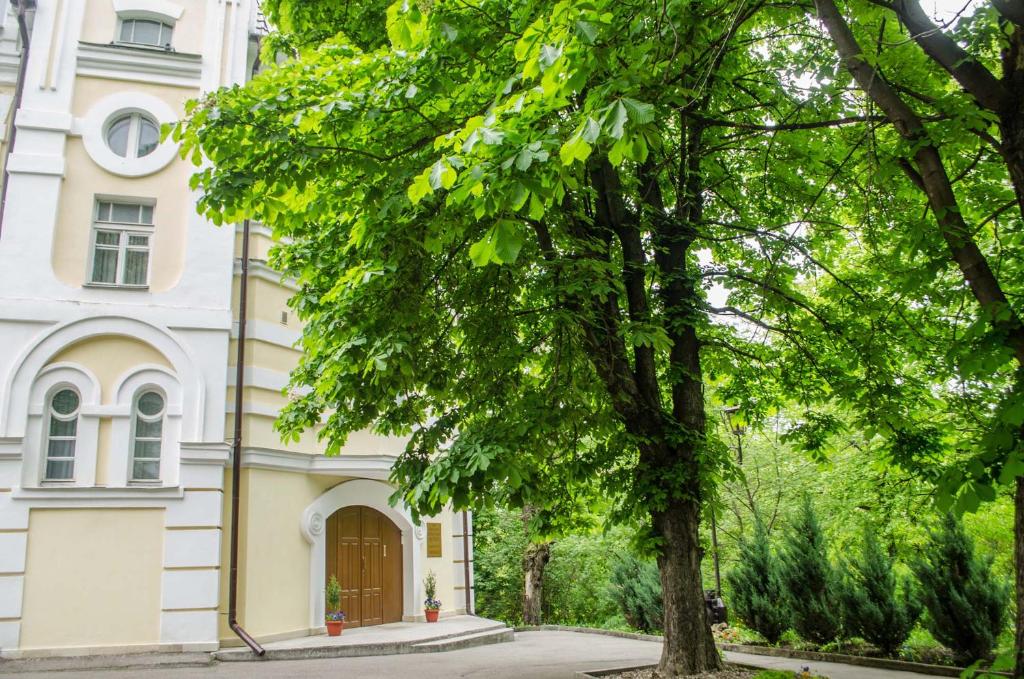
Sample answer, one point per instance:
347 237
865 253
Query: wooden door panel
364 551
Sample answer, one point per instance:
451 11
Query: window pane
146 32
125 213
103 212
136 264
145 471
147 214
117 136
60 470
165 35
61 448
108 237
150 429
104 266
65 402
126 30
138 240
63 427
149 137
151 403
147 450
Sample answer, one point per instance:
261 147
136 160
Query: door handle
385 551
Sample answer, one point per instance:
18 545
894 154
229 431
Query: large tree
502 221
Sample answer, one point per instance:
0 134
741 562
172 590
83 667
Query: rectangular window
120 245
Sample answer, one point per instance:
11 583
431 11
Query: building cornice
359 466
259 269
118 62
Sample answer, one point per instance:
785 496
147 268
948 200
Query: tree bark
689 646
534 561
1018 554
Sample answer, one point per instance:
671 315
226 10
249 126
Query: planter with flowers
432 605
335 619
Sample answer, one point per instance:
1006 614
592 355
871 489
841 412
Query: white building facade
118 327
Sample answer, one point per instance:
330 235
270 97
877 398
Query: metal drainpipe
19 87
467 580
236 449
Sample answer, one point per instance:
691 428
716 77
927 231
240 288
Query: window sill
115 286
97 495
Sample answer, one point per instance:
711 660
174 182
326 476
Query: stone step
493 636
495 633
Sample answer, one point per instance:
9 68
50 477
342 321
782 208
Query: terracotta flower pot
431 614
334 627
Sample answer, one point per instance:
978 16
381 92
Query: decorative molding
259 269
365 466
218 454
98 496
154 9
52 121
35 163
122 62
269 332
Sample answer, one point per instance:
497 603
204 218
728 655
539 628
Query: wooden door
364 551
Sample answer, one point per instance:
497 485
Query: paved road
534 655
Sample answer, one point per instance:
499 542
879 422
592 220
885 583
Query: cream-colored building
118 344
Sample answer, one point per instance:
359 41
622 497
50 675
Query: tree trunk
534 561
1018 553
689 647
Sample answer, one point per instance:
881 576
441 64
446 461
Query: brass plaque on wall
433 539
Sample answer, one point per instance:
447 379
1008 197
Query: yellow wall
274 569
77 200
109 358
442 566
188 30
92 578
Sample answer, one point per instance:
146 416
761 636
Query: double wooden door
364 551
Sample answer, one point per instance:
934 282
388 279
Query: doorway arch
364 493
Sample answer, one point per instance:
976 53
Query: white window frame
166 27
135 119
124 230
48 437
159 417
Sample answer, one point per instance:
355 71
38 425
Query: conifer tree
811 583
966 603
758 597
878 607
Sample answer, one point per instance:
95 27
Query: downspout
236 448
19 88
467 580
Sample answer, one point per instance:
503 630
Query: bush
758 597
812 584
576 579
966 604
498 544
874 609
636 587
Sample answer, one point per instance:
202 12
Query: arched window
146 436
61 432
145 32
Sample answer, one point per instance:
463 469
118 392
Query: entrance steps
449 634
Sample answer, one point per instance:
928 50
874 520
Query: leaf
617 120
442 175
501 245
574 149
639 112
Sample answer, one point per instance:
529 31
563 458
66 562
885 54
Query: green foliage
965 603
636 587
811 582
758 597
430 585
333 594
576 580
311 22
875 608
499 543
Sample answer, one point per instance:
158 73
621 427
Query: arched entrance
364 551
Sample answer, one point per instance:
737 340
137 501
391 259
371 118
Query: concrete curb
105 662
839 658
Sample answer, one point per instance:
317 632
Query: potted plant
432 605
335 619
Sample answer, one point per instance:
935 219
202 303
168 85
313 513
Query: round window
65 402
151 403
133 135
